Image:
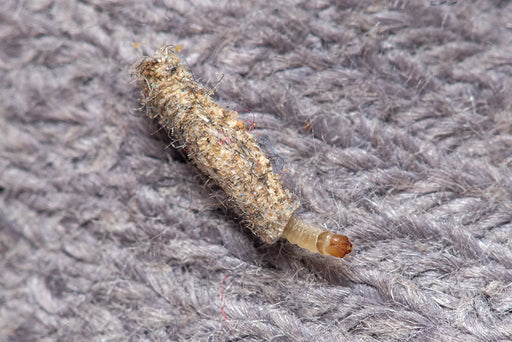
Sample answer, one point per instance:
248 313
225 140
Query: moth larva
220 146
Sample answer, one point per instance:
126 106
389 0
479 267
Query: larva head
336 245
339 246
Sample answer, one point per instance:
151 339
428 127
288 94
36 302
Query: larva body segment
219 145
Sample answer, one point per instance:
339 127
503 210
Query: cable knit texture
391 121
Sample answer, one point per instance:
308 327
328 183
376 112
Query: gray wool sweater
390 121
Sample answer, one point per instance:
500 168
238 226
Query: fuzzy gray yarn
394 120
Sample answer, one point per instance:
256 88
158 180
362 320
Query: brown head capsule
220 146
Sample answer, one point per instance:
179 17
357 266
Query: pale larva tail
315 239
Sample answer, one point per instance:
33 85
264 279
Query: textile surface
390 120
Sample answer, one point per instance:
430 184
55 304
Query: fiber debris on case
221 147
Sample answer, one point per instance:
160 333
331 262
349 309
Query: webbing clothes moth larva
220 146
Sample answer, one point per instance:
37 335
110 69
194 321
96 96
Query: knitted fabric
389 120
